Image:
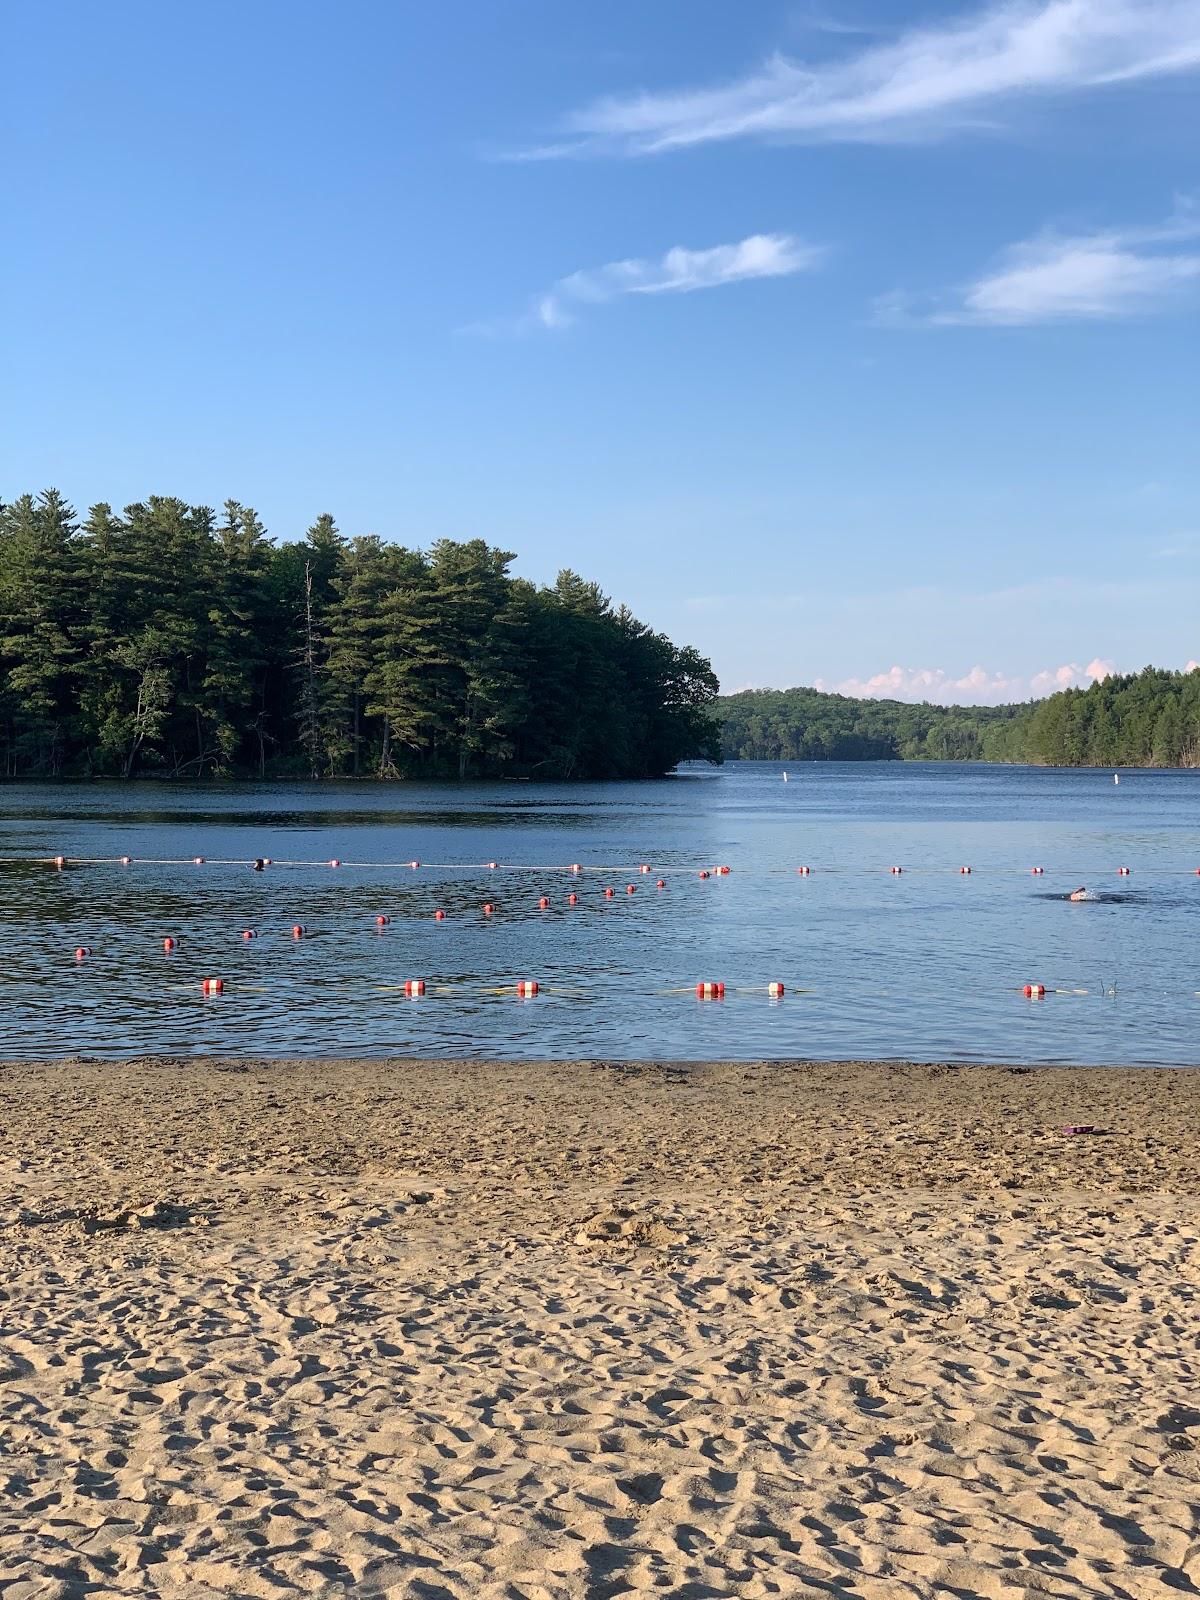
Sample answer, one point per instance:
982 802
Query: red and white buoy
775 990
1034 991
414 865
645 867
710 991
574 867
334 862
965 871
414 987
197 861
1037 871
126 861
1122 872
722 872
213 986
60 861
527 988
493 865
804 872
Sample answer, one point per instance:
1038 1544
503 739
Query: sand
434 1330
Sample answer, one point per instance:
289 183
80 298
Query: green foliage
1151 718
167 640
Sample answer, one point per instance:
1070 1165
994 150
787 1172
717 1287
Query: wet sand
437 1330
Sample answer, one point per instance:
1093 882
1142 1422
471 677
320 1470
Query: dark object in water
259 864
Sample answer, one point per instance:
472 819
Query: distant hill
1145 719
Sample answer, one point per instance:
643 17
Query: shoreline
421 1330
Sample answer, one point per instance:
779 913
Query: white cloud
1120 272
679 271
920 84
977 687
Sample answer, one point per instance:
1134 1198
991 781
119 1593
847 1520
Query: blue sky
854 343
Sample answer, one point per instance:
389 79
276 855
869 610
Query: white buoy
1116 777
785 777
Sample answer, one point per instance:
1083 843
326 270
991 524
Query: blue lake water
925 965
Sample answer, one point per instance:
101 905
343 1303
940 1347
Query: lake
925 965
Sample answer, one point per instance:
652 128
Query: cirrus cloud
923 83
679 271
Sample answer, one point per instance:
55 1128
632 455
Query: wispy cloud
921 84
975 687
1058 278
679 271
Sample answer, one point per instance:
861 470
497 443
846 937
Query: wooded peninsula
171 641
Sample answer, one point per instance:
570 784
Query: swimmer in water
1079 894
259 864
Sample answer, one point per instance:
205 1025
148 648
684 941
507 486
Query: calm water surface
927 965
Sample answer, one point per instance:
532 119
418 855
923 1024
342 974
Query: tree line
1145 719
169 639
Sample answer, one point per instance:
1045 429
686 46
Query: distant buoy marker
414 988
775 990
414 865
213 986
1034 991
527 988
804 872
1037 871
60 861
710 991
334 862
126 861
1122 872
896 871
645 867
197 861
965 872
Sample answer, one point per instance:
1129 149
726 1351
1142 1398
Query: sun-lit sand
505 1331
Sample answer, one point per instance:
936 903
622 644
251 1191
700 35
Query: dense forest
171 640
1145 719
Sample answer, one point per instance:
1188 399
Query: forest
1145 719
170 640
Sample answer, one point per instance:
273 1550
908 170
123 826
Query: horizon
856 352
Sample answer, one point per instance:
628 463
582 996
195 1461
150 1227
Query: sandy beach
438 1329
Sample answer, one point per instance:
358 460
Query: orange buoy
966 871
213 985
488 908
439 916
544 903
775 990
82 952
168 944
1035 991
661 884
381 921
804 872
572 899
1122 872
722 872
414 987
710 991
249 933
527 988
609 893
298 930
